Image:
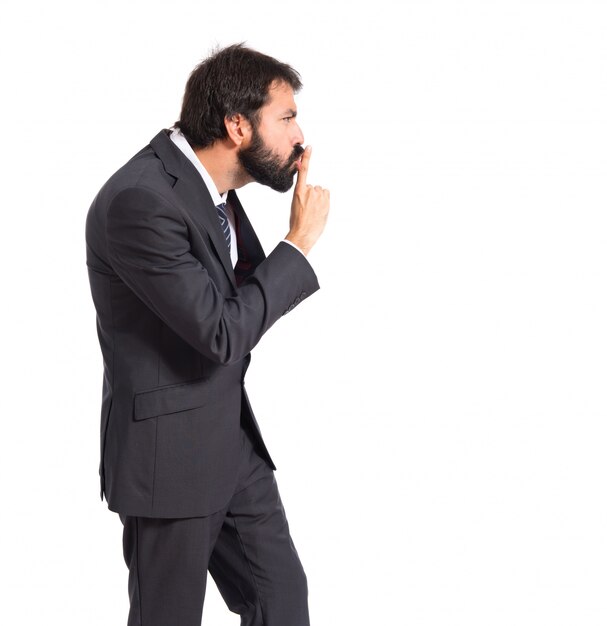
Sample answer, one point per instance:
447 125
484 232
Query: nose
298 137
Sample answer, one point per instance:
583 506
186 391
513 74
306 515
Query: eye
287 119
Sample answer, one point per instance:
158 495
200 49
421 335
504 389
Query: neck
221 162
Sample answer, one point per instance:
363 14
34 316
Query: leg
167 561
255 564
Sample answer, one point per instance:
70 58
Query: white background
437 411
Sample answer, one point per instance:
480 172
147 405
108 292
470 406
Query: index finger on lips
302 173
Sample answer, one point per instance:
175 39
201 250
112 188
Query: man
183 292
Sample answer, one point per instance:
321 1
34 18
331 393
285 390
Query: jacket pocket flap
171 399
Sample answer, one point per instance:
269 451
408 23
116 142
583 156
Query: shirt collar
178 138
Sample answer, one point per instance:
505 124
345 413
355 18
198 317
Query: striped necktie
225 225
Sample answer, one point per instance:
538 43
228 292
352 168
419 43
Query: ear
239 129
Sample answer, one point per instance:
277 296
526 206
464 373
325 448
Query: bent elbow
221 349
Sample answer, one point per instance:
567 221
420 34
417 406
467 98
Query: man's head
241 90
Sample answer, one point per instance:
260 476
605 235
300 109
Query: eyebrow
290 112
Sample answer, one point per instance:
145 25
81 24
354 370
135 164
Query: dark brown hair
232 80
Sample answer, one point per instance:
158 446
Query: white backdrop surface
438 410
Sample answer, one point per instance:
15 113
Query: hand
309 209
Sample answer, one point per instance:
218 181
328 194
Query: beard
266 167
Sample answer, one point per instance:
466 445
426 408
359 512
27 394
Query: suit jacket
176 329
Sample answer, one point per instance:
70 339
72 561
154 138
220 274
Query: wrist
299 242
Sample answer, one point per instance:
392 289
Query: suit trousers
246 547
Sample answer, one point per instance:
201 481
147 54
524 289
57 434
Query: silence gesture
309 209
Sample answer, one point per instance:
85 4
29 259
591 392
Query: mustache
298 150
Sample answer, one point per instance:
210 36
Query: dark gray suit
176 324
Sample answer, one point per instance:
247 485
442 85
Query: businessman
183 292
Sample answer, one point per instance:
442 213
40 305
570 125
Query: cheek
282 146
279 139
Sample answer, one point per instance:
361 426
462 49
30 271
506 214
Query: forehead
281 98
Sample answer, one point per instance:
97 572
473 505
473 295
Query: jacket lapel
195 197
252 250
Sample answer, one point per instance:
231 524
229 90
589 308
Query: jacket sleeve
149 249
